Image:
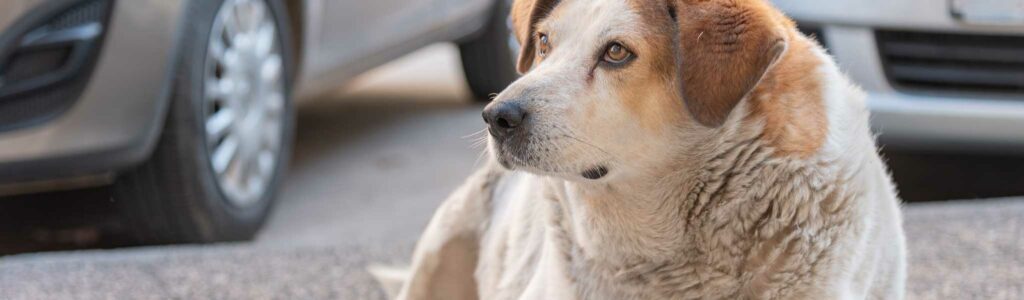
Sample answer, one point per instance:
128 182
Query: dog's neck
648 217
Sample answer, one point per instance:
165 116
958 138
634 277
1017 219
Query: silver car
185 106
941 74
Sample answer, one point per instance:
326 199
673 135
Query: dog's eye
617 54
542 48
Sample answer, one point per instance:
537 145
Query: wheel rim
244 100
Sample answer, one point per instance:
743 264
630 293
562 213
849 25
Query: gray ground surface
370 169
958 250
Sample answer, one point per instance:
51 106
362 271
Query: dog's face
612 86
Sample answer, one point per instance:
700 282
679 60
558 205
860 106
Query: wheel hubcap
244 100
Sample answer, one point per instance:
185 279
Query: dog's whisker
595 147
480 157
475 134
479 142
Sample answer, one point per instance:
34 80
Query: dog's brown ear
525 15
726 47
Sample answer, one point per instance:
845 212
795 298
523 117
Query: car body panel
918 120
14 9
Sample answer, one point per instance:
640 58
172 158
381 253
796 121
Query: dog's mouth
595 173
513 160
521 152
513 151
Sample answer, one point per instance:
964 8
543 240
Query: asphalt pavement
371 165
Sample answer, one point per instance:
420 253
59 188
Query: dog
668 149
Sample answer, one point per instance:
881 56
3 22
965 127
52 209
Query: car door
349 31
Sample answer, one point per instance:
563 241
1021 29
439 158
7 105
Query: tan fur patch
790 101
521 19
655 107
732 49
655 110
726 46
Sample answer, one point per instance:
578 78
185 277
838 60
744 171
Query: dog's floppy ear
726 47
525 15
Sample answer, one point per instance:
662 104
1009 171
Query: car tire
488 59
177 196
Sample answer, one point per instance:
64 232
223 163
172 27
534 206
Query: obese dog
668 149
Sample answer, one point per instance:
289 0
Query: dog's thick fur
739 166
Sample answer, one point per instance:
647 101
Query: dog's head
610 85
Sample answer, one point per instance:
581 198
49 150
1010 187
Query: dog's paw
391 279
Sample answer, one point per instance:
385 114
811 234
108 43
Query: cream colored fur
687 213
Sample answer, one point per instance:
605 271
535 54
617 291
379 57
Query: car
185 107
944 76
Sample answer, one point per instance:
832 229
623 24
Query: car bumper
922 120
116 119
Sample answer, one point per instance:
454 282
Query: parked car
185 106
940 75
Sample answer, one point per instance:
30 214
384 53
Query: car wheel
227 138
489 58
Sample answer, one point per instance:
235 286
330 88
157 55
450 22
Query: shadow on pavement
87 219
942 176
59 221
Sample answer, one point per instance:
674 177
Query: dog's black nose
504 116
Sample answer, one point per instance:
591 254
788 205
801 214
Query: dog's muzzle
508 124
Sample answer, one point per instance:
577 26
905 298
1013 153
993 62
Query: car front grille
46 64
953 62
